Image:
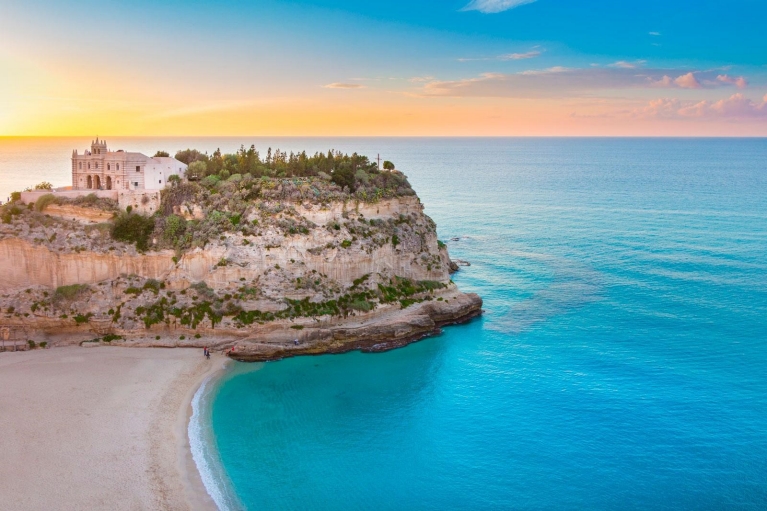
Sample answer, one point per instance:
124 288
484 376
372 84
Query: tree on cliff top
160 154
190 155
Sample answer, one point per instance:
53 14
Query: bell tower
98 147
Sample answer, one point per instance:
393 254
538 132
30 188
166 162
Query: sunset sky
347 67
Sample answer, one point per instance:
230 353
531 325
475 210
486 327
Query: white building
101 169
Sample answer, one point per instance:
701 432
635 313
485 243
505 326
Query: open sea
621 363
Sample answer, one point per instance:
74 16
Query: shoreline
195 491
100 428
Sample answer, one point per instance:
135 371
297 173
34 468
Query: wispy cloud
628 65
656 34
421 79
339 85
559 82
494 6
550 70
507 56
520 56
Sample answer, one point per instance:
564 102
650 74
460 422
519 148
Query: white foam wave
203 453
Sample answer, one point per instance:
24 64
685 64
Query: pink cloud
659 108
736 106
739 82
688 81
666 81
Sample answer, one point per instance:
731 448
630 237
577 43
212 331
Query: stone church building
102 169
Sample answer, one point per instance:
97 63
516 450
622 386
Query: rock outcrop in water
279 273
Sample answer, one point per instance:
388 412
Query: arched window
109 167
118 166
89 166
80 165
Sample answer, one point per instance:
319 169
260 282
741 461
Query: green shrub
441 244
111 337
395 240
153 286
210 181
361 305
133 229
82 318
44 344
70 292
45 201
346 243
32 344
15 196
175 226
297 327
45 185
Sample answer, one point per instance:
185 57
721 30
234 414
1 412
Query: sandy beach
99 428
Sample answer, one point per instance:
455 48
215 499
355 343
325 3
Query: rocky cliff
287 277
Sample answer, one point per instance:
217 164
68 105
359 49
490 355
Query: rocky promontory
262 266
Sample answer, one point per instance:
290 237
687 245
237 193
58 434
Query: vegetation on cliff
349 172
285 237
143 303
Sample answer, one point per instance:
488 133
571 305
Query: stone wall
30 197
142 201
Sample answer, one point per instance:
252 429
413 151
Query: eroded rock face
418 257
79 214
351 251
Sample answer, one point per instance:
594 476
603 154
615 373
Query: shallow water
621 362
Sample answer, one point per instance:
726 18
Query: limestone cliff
295 276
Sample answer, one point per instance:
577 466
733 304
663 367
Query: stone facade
102 169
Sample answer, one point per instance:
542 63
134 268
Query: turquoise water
621 363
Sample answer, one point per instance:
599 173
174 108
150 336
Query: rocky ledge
372 332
